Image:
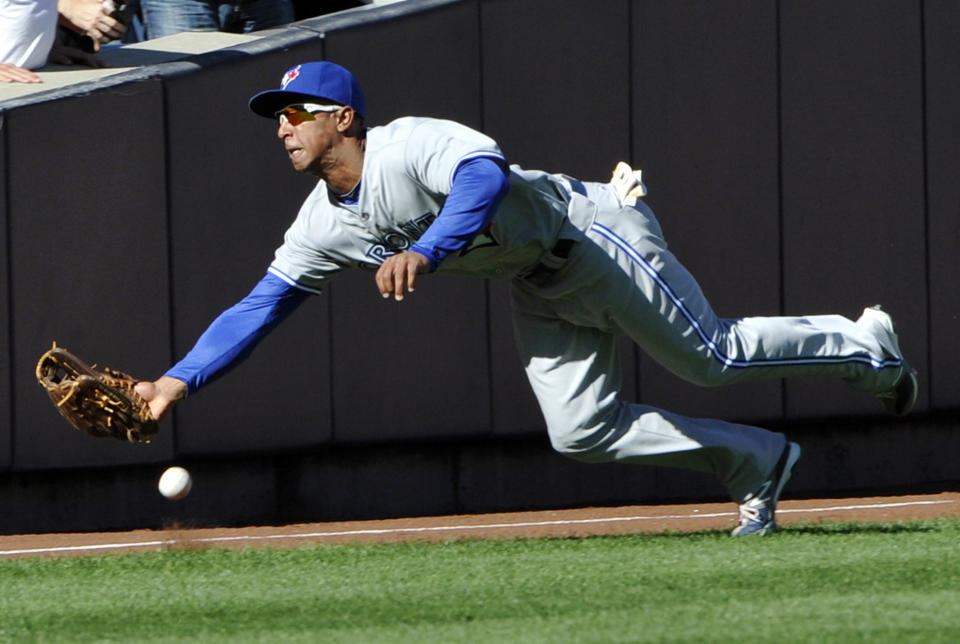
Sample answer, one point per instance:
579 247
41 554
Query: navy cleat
758 512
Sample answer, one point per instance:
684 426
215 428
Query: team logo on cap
289 76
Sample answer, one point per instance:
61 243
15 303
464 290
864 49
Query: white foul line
442 528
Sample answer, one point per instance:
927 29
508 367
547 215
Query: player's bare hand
10 73
400 272
161 394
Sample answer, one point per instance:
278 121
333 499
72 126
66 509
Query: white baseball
175 483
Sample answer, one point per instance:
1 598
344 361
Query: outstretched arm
225 343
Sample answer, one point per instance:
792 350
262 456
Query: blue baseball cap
322 82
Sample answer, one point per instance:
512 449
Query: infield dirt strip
551 523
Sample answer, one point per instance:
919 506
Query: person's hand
399 271
161 394
10 73
91 17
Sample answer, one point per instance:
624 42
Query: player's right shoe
758 512
900 399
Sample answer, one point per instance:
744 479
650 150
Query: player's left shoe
758 513
627 183
900 399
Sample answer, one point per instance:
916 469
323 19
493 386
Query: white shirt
27 31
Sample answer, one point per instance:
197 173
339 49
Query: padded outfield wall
801 155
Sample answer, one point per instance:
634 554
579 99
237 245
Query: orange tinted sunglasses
297 114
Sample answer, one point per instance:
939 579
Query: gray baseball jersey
407 173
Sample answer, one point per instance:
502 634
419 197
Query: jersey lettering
397 242
418 226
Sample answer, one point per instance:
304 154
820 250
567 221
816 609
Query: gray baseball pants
620 279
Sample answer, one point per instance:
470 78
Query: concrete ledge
191 50
125 64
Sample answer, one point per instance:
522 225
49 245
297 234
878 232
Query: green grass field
842 583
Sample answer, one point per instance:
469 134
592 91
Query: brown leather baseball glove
98 403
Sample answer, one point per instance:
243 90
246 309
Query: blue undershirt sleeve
479 185
233 335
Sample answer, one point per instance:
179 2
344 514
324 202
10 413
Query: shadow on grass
863 528
821 529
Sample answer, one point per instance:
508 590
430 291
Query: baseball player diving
587 262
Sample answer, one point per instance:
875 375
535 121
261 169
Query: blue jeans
166 17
